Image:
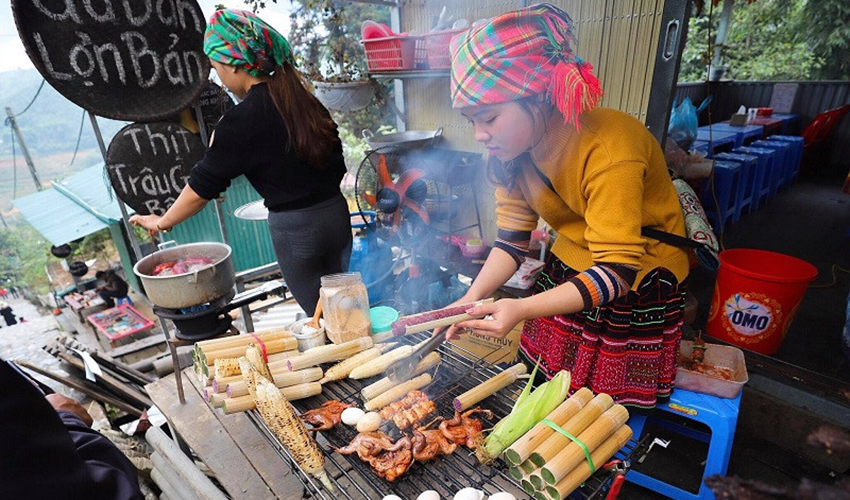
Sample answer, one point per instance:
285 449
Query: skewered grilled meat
367 445
394 462
410 411
326 416
427 444
462 429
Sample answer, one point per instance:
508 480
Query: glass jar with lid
345 305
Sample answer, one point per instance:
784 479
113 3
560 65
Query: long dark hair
312 133
505 174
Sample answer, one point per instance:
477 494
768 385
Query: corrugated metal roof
76 206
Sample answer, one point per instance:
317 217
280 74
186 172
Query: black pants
310 243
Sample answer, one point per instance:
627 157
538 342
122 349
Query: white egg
502 495
469 494
369 422
391 497
428 495
350 416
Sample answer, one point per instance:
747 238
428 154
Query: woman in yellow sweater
608 305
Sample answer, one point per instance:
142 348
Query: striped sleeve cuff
515 243
603 283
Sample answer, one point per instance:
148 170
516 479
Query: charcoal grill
459 371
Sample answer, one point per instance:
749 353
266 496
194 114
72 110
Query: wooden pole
24 148
73 384
185 468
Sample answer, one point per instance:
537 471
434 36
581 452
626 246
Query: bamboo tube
282 379
291 393
599 456
220 384
557 441
397 392
523 447
217 400
539 495
272 347
341 370
527 487
323 354
206 346
489 387
381 386
527 467
592 437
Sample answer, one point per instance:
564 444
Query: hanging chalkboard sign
215 102
148 164
139 60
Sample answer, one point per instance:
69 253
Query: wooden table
84 304
231 446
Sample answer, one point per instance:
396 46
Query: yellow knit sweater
611 180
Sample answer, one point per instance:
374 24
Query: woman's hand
500 318
147 221
60 402
453 332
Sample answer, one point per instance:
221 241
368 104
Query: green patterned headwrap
240 38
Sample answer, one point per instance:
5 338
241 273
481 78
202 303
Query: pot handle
367 134
167 244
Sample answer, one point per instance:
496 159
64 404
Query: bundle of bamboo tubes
548 464
217 357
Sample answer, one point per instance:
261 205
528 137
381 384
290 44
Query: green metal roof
74 207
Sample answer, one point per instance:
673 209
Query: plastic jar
307 336
345 305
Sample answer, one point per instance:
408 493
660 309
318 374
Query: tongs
401 370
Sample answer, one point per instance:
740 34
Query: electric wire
37 92
79 136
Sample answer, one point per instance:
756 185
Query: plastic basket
437 48
395 53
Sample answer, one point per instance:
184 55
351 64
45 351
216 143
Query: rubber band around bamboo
262 346
558 428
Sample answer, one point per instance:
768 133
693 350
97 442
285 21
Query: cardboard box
502 352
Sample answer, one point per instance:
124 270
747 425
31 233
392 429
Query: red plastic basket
437 47
395 53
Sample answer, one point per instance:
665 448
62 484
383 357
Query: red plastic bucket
756 297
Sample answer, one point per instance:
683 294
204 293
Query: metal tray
410 139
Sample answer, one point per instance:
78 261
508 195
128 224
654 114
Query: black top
53 455
250 139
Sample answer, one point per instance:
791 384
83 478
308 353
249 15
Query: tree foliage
24 255
773 40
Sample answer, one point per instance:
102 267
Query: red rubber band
262 345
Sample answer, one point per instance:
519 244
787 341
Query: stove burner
211 319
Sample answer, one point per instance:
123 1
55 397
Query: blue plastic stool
718 414
727 181
772 176
796 153
124 300
784 156
747 194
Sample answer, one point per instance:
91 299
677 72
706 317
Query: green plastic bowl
382 317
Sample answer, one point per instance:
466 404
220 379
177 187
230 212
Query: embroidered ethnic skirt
627 348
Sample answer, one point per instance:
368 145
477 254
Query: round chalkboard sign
149 163
137 61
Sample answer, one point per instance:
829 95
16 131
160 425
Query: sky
14 56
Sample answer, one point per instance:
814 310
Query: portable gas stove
211 319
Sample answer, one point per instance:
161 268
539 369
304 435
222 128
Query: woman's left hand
146 221
501 316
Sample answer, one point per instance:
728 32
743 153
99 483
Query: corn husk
531 407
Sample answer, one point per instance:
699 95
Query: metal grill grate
459 371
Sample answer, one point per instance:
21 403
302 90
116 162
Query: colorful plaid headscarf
521 54
240 38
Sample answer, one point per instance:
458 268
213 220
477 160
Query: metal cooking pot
411 139
188 289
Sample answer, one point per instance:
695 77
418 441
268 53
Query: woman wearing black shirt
285 143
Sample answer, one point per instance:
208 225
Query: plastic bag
683 122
